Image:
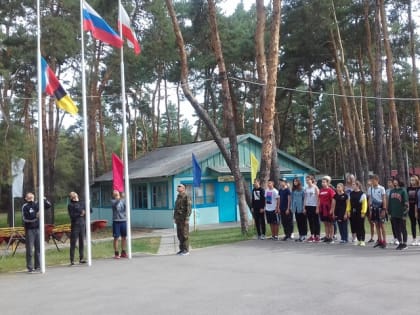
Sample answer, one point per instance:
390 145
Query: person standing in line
311 210
30 218
77 213
286 215
340 212
119 224
326 204
368 215
182 213
348 188
272 209
390 186
377 205
258 204
298 196
412 191
398 208
357 209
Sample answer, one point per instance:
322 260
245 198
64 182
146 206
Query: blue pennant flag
196 172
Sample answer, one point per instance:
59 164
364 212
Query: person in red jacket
326 209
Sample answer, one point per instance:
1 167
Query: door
226 197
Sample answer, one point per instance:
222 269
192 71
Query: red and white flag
127 31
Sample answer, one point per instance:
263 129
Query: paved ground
252 277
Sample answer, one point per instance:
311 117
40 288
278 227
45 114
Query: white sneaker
396 242
292 236
262 237
414 243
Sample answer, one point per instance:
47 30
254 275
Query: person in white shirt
272 209
377 209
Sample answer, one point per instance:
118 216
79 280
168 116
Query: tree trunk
347 120
240 183
268 107
414 76
358 128
391 94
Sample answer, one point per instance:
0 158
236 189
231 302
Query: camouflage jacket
182 209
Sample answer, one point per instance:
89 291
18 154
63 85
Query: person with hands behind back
77 213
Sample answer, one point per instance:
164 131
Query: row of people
336 208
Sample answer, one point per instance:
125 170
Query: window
159 195
204 195
140 196
95 199
106 196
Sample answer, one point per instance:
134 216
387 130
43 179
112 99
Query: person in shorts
119 224
377 207
272 209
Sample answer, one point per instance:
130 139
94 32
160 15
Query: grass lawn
103 249
99 250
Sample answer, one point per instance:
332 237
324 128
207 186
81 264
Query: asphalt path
250 277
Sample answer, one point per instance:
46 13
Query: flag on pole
196 172
52 86
127 31
254 167
17 174
117 173
100 30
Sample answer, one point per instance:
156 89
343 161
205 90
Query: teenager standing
398 208
258 204
286 215
340 212
357 208
310 204
326 203
377 209
298 196
412 203
272 209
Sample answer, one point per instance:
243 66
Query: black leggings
259 222
359 226
287 222
400 229
413 220
313 220
302 224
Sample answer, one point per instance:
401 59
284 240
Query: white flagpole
85 143
40 144
195 210
124 116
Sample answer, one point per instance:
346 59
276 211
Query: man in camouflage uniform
182 212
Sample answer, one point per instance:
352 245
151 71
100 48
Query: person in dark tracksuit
258 206
398 208
286 214
182 212
30 218
77 213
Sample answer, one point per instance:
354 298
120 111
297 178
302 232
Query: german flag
52 87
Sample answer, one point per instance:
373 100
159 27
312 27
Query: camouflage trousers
183 232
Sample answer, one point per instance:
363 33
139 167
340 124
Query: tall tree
204 115
396 139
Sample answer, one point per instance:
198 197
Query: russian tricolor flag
52 87
127 32
100 30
